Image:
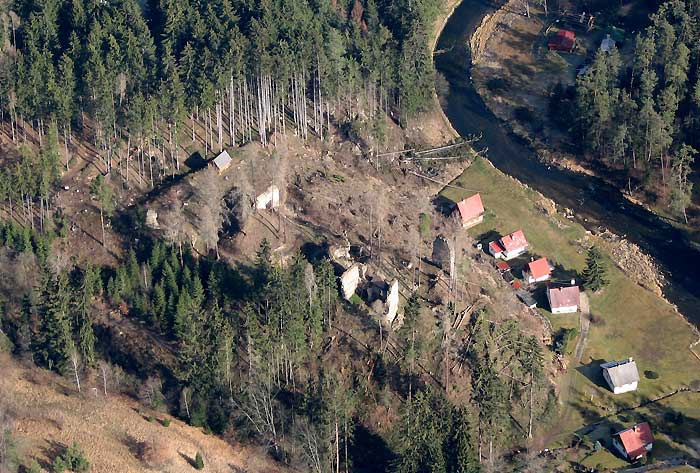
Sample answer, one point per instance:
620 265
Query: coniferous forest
130 70
645 114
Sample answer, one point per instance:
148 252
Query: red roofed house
635 442
537 271
564 300
565 40
509 246
471 210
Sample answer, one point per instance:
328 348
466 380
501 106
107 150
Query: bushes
73 460
651 374
563 339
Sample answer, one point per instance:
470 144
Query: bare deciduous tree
209 196
260 407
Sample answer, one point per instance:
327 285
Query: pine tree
594 276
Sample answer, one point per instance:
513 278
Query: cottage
270 199
509 246
222 162
607 44
564 40
564 300
537 271
471 211
635 442
621 376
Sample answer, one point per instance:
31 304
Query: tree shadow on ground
594 373
487 237
187 458
444 205
195 161
52 451
369 452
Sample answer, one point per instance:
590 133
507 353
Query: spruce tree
56 341
595 274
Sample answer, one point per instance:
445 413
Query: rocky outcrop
392 303
349 281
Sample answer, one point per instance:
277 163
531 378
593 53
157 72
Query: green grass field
633 323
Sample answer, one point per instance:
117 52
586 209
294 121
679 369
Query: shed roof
514 241
223 160
621 372
567 296
635 439
470 208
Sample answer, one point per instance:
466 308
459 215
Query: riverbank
515 74
629 320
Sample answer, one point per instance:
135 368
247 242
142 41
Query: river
595 202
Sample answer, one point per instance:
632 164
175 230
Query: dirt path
585 321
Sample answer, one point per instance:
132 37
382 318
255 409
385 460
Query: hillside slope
114 432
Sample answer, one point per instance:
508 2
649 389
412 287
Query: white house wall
626 388
565 310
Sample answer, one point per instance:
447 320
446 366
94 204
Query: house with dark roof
471 211
621 376
635 442
510 246
537 271
526 298
564 300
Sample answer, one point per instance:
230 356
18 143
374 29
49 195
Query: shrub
198 461
73 460
563 339
651 374
165 422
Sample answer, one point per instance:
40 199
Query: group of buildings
632 443
563 298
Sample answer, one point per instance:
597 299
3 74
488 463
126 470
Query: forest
248 352
645 114
122 71
253 353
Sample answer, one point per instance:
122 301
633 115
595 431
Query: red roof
470 208
496 247
502 265
635 439
568 296
563 41
514 241
516 284
539 268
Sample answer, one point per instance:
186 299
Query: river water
594 202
